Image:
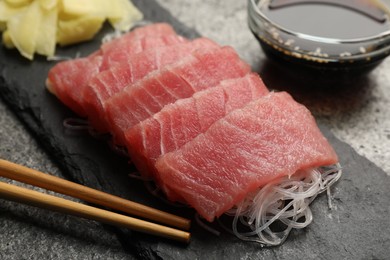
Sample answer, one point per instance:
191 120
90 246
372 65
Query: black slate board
357 228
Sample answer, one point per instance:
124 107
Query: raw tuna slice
65 80
271 137
201 70
180 122
68 79
126 50
155 29
113 80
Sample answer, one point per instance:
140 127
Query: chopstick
24 174
36 178
35 198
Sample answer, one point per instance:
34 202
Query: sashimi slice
126 49
65 80
201 70
113 80
180 122
155 29
68 79
271 137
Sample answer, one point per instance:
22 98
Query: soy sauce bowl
313 51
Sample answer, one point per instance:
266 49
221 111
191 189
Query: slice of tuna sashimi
154 29
201 70
126 49
113 80
180 122
271 137
68 79
65 80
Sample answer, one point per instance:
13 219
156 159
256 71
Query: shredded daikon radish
76 124
200 221
118 33
62 58
111 36
268 215
81 126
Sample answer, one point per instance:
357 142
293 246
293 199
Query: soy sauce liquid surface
351 19
332 19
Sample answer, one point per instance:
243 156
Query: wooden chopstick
35 198
26 175
36 178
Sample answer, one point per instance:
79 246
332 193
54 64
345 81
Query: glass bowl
321 50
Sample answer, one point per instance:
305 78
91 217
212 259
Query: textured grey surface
29 233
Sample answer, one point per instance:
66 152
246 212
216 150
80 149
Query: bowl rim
384 35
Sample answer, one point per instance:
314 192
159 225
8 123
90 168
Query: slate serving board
357 227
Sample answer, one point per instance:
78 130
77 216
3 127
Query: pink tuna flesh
201 70
180 122
271 137
113 80
68 79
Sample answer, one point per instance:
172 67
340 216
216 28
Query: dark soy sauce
343 20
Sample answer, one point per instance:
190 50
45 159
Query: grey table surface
30 233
